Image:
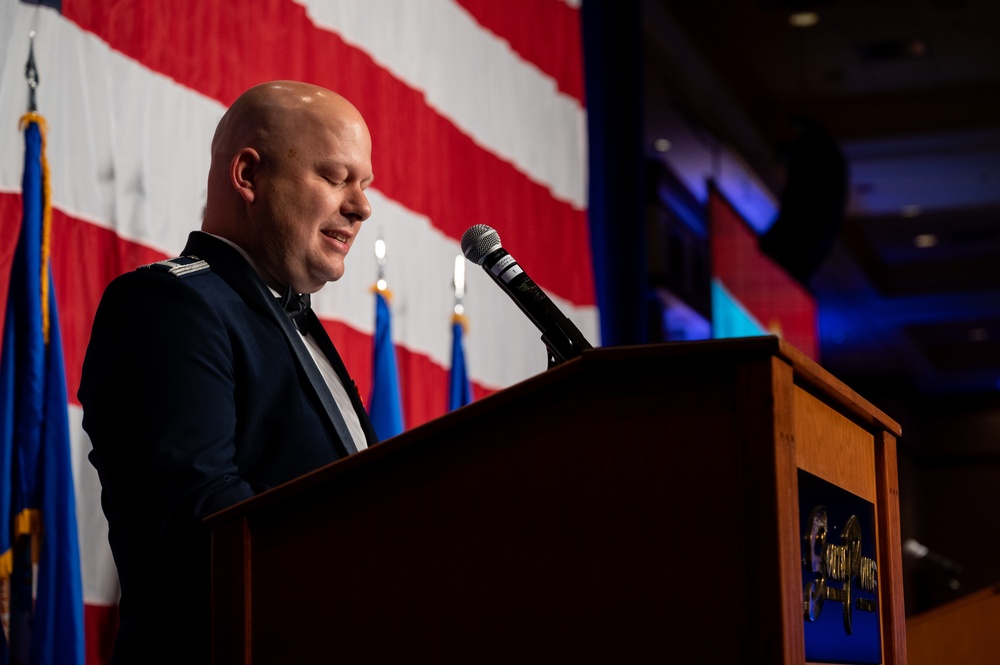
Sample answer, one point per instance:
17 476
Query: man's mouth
336 235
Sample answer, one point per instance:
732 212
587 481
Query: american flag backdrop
477 113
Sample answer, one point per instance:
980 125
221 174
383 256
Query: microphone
914 549
481 244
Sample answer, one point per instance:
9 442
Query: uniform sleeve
158 397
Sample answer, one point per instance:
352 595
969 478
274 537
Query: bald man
207 378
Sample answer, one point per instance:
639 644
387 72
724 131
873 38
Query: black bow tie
296 306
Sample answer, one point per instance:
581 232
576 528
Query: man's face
312 201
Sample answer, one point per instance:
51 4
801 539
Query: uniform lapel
326 345
240 275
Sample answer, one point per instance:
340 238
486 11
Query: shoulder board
182 266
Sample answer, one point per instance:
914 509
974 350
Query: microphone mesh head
478 242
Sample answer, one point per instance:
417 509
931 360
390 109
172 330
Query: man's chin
317 282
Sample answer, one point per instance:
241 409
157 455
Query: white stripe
473 78
127 147
97 567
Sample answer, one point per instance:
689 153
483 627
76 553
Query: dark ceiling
910 90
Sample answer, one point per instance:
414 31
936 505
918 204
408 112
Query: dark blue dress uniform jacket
197 393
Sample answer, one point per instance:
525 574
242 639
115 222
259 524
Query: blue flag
459 388
385 408
37 501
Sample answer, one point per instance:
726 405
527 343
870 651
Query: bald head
282 141
266 115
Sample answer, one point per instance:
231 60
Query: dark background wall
915 332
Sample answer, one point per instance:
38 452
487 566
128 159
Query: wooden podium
635 504
962 631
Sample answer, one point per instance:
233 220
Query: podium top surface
616 363
807 371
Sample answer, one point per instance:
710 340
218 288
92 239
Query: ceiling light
925 240
661 145
803 19
912 210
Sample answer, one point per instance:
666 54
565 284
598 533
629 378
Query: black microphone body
919 551
563 339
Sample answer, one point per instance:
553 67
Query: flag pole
32 116
381 262
459 388
385 407
31 73
458 282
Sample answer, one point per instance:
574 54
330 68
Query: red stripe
544 32
422 160
10 224
100 624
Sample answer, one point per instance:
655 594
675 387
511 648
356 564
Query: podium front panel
632 505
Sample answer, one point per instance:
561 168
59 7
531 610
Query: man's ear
243 170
